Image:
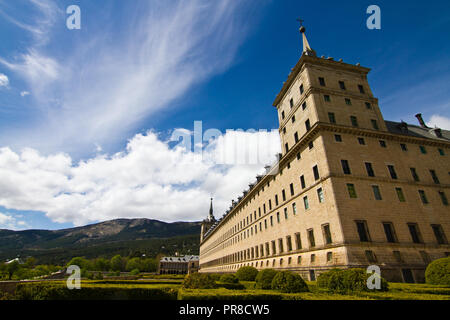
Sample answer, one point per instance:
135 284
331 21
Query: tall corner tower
322 90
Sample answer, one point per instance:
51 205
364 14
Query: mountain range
127 237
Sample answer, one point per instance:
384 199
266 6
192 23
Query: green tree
12 268
81 262
102 264
30 263
117 263
134 264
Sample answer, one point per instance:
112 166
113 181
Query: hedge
349 280
224 294
289 282
247 273
229 278
438 272
199 281
264 279
45 291
230 286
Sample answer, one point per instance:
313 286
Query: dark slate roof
180 259
403 128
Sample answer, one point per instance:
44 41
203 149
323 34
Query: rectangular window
274 248
400 195
302 89
299 156
293 119
342 85
265 223
363 231
390 232
307 125
306 203
320 195
404 147
264 208
374 124
370 256
443 198
285 213
302 182
304 106
322 81
346 167
392 172
311 145
280 245
282 115
423 197
327 98
354 121
348 101
351 190
327 234
422 149
278 217
414 174
361 141
439 234
296 137
291 103
361 88
270 204
294 208
369 169
338 138
286 147
382 143
376 192
312 241
276 200
415 233
368 105
434 176
331 117
441 152
289 243
291 187
329 256
271 221
283 194
267 249
298 241
316 173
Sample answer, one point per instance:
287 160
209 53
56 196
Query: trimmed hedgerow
247 273
224 294
438 272
289 282
229 278
264 279
46 291
349 280
199 281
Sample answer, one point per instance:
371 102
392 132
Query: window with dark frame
389 232
414 232
346 167
369 169
363 231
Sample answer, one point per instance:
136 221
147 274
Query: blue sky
92 95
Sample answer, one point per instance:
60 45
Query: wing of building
349 190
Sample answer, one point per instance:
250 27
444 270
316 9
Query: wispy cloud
439 121
104 89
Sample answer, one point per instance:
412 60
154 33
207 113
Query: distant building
178 265
19 260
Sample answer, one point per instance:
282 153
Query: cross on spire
306 48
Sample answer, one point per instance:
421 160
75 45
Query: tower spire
211 212
306 47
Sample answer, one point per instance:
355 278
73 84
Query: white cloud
114 77
439 121
148 179
4 81
24 93
10 222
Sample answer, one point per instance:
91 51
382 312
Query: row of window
391 236
399 191
342 85
279 246
353 121
383 144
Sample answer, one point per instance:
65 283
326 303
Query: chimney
422 123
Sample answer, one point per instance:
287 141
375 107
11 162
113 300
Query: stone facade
179 265
350 189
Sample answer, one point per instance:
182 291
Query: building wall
230 245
